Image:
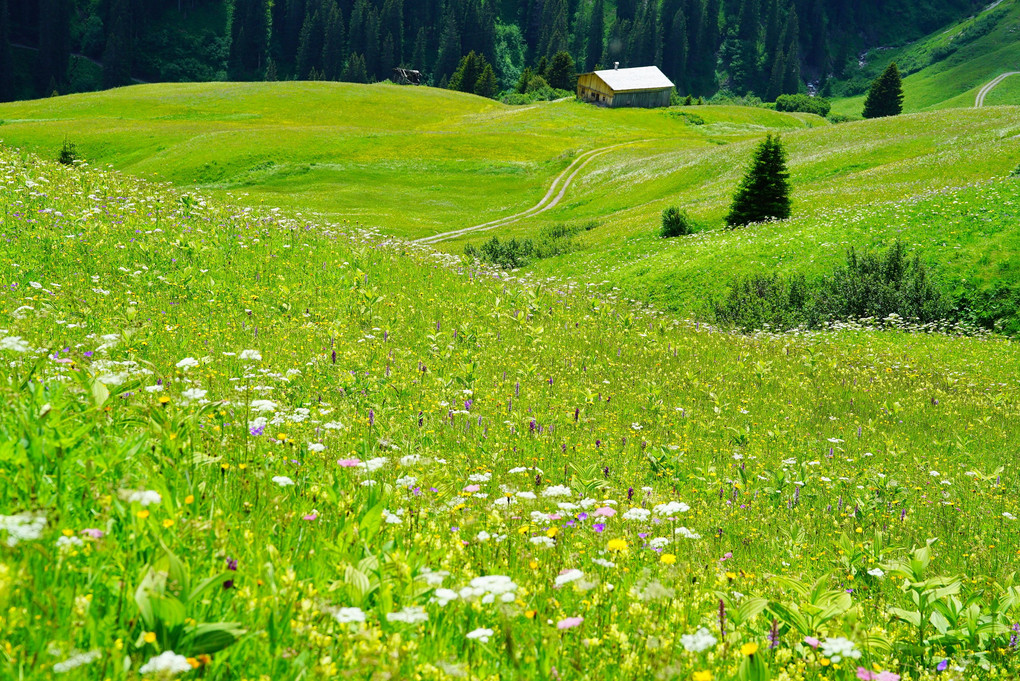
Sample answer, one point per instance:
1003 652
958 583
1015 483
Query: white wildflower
166 663
481 635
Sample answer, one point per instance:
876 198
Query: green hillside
949 67
411 161
414 162
241 445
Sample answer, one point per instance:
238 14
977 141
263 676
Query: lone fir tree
764 193
885 98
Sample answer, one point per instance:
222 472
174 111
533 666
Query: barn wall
591 88
648 99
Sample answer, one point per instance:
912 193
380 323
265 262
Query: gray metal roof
640 78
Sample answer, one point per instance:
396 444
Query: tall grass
243 444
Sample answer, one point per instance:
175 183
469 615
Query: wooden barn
644 86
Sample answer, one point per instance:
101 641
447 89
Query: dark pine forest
762 47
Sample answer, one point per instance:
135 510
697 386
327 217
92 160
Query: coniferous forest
763 47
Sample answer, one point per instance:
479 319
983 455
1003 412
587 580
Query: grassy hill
413 162
948 68
280 448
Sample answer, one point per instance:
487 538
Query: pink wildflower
569 623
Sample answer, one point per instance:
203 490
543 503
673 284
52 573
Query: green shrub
688 117
68 153
676 222
837 118
766 301
506 254
803 103
872 285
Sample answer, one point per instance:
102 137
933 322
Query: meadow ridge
239 444
417 162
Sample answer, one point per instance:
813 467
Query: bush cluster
872 285
513 253
804 104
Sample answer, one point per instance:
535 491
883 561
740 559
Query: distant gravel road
980 100
550 200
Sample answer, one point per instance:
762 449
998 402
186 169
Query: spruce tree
764 193
708 47
251 27
791 48
6 59
885 98
466 76
596 34
674 57
560 73
485 86
419 55
310 44
355 71
333 45
54 44
449 47
117 56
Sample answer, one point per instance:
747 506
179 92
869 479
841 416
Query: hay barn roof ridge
638 78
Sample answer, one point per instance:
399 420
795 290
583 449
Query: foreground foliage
238 445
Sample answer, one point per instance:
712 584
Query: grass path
979 101
548 201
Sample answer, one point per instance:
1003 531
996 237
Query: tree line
764 47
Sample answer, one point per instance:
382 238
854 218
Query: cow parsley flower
282 480
443 596
637 514
187 363
410 614
481 635
76 660
22 527
568 576
348 615
142 497
838 648
167 663
194 394
556 491
14 344
671 509
699 641
250 355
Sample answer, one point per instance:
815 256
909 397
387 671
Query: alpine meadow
668 340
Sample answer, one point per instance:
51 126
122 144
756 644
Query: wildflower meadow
243 443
